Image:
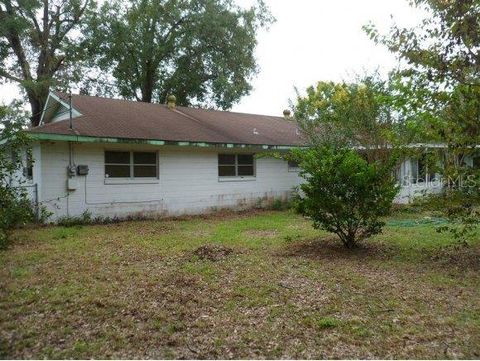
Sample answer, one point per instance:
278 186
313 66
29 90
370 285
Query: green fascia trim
86 139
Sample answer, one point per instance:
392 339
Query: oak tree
201 51
38 41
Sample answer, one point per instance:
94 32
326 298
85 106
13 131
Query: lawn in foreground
141 290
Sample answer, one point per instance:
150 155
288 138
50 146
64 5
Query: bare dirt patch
213 252
459 257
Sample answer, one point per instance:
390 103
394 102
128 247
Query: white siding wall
188 183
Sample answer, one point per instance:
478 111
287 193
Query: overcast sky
312 40
316 40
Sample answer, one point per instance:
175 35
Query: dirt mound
213 252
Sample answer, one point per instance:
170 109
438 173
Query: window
236 165
293 166
420 170
131 164
28 169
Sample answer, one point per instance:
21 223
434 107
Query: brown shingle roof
114 118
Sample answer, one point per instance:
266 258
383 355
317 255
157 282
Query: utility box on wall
72 184
82 170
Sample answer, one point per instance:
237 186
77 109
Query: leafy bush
15 207
343 193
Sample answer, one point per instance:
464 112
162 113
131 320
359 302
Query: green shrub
83 219
343 193
15 207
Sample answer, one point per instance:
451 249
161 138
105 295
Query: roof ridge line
180 106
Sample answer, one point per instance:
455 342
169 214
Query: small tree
352 134
15 207
343 193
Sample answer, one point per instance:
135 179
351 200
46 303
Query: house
118 158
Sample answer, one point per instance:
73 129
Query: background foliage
15 207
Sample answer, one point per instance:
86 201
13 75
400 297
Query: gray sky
316 40
312 40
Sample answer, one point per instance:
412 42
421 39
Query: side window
227 165
117 164
236 165
121 164
28 168
245 165
144 165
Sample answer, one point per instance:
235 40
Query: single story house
119 158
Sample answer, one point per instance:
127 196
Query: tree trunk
36 104
147 95
149 83
349 240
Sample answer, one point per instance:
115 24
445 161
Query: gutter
90 139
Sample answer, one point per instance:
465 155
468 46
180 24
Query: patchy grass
259 285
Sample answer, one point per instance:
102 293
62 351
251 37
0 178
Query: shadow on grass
454 257
331 248
458 257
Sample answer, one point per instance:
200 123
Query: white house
118 158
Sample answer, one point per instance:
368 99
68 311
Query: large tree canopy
201 51
441 69
37 42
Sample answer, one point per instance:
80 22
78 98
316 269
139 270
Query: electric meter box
82 170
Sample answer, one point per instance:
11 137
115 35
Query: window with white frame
421 171
236 165
125 164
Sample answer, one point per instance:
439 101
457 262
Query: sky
316 40
312 40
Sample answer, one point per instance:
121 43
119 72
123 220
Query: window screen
144 165
130 164
236 165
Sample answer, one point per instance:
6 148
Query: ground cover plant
251 285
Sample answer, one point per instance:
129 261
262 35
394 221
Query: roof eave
89 139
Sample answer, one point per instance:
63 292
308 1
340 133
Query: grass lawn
270 287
